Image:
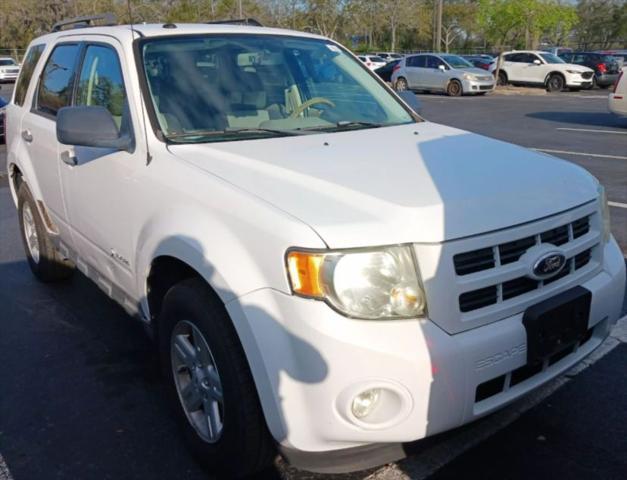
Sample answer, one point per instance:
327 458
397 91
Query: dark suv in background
605 67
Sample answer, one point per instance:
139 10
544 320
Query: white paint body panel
618 98
231 210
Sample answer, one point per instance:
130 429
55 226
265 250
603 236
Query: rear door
38 129
415 71
514 65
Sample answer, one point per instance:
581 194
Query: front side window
257 86
551 59
57 80
28 67
100 82
456 62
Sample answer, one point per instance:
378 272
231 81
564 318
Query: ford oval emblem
549 265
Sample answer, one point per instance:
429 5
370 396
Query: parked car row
605 67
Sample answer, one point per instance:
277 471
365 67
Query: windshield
7 61
456 62
550 58
232 87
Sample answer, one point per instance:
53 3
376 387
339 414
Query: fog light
365 402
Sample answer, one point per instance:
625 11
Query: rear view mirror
537 62
410 99
91 127
442 68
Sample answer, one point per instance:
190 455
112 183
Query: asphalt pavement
81 395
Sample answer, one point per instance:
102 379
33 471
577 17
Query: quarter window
57 81
32 57
100 82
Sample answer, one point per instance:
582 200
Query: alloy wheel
30 232
197 381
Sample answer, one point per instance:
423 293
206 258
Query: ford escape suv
232 187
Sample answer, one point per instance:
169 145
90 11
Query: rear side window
57 80
28 67
100 82
416 61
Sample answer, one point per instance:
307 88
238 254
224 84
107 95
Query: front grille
587 75
508 253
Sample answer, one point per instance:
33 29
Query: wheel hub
30 232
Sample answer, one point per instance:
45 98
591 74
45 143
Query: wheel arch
554 72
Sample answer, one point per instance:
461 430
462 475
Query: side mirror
442 68
91 127
410 99
537 62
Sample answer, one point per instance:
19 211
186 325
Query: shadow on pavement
589 119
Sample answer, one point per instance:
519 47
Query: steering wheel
312 101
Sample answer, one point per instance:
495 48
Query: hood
574 66
413 183
475 71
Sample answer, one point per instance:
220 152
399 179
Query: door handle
69 158
27 136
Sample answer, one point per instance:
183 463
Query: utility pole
439 5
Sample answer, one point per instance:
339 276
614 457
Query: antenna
141 96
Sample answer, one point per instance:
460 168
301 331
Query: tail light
396 67
485 66
602 68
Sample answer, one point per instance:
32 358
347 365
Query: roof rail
240 21
109 19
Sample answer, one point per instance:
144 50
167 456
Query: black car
385 72
606 69
3 104
480 61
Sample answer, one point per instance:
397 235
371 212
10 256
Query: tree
602 23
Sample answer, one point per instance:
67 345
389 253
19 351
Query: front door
99 187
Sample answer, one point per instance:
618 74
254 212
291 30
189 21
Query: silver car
9 69
441 72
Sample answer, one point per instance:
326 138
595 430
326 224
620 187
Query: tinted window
55 88
418 61
32 57
513 57
433 62
100 82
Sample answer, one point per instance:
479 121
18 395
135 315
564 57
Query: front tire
210 384
43 259
454 88
555 83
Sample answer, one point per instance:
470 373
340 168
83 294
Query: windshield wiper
345 125
234 131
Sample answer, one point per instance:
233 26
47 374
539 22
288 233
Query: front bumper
575 80
478 86
309 361
4 77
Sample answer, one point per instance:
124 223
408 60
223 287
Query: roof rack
109 19
240 21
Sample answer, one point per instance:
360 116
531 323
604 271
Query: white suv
233 188
543 68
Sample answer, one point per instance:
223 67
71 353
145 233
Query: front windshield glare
550 58
233 87
456 62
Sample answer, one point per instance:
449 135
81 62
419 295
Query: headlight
574 72
470 76
605 213
368 284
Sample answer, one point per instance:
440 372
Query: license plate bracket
556 323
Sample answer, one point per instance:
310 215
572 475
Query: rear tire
244 445
401 85
43 259
555 83
454 88
502 80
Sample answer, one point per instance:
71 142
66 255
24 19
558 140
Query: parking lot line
582 154
617 204
591 130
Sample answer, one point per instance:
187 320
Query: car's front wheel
454 88
555 83
210 383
